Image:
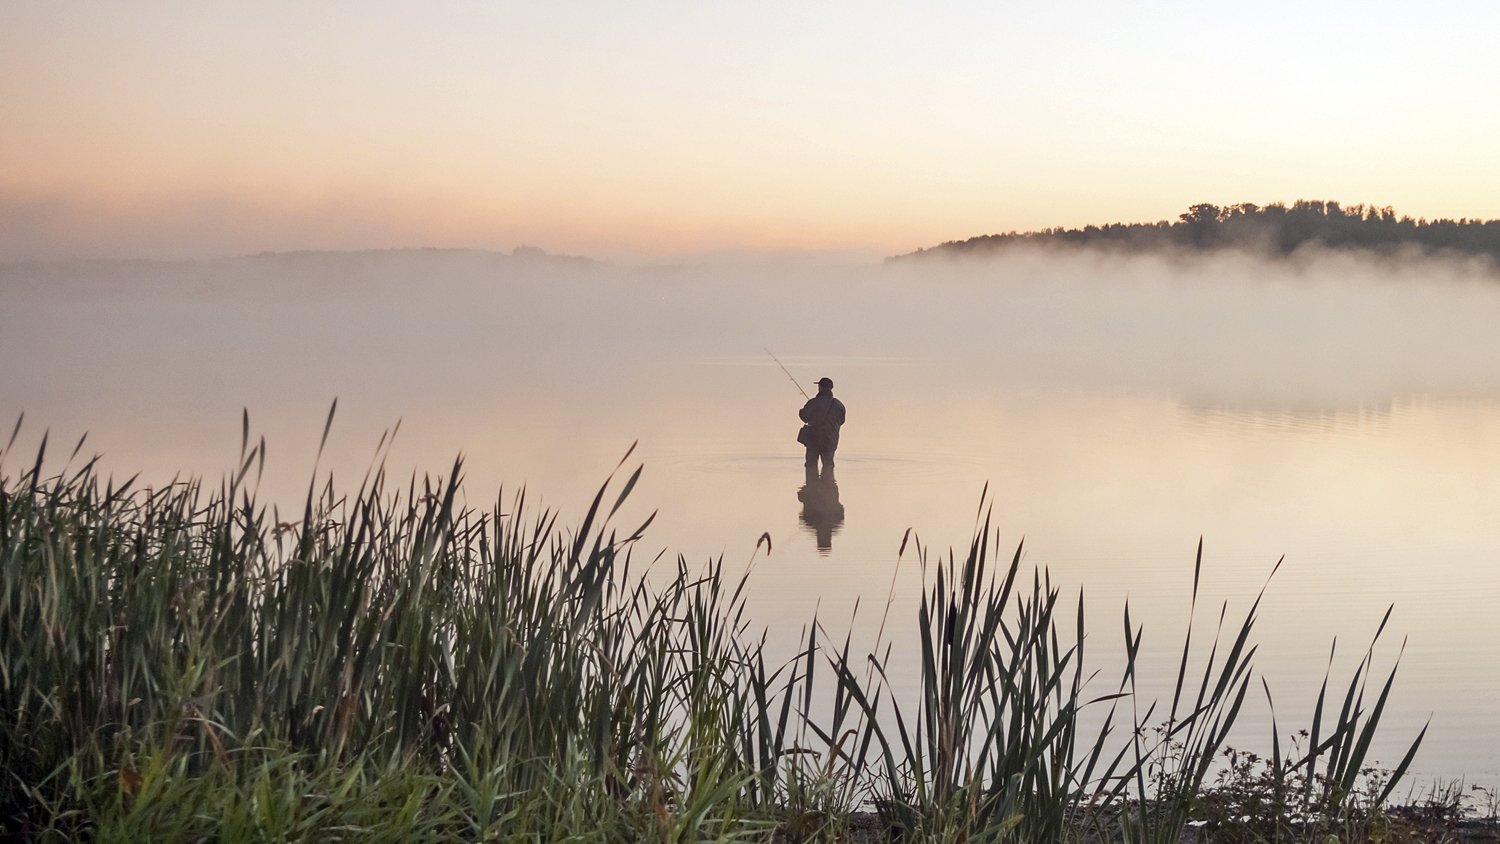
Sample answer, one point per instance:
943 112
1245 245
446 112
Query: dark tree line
1276 228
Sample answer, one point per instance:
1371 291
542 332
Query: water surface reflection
821 511
1343 414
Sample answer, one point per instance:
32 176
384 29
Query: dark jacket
823 414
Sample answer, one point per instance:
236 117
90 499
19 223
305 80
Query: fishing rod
789 375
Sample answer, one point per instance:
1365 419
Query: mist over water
1339 410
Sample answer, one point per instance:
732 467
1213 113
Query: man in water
824 415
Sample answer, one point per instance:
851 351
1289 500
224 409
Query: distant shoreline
1276 229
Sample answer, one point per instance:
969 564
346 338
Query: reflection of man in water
824 415
821 509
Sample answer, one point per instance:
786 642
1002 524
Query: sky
637 131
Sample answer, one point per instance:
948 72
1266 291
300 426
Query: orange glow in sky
168 129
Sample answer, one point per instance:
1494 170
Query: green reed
181 664
990 750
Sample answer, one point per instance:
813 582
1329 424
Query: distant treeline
1276 228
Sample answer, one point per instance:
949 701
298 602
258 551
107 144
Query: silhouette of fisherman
821 509
823 415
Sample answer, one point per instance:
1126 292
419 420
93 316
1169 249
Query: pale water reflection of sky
1341 412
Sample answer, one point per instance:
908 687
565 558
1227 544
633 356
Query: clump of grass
1324 784
991 750
181 664
1170 768
149 639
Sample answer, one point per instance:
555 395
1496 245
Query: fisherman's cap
825 382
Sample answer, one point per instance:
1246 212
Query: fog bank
1324 332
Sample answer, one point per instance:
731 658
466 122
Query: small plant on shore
1171 765
1324 785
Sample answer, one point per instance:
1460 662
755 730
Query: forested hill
1275 228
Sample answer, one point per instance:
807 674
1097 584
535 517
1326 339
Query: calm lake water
1340 412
